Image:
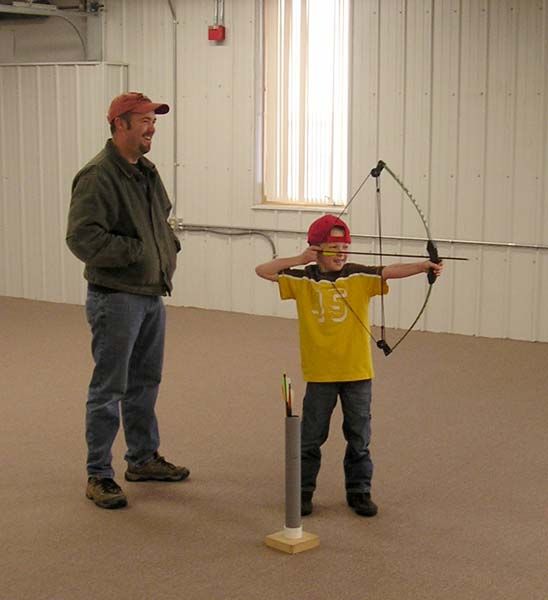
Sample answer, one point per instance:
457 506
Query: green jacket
117 225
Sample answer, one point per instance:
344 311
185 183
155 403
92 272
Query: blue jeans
319 401
128 332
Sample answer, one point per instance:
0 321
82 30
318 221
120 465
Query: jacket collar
126 167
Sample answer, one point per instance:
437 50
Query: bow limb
431 248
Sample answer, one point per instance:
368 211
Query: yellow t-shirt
335 345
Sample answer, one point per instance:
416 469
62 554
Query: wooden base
279 541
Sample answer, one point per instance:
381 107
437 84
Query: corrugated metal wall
452 94
50 127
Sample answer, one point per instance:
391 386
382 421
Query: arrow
334 253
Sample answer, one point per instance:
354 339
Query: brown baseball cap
319 231
134 102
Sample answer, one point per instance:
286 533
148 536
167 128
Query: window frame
261 202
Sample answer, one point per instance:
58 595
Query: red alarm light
216 33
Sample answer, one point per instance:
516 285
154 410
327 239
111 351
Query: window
305 151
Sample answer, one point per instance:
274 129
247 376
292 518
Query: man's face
332 257
138 133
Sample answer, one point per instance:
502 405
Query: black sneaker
156 469
306 503
362 504
105 492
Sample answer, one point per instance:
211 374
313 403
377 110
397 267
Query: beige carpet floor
460 445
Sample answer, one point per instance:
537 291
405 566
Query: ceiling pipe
75 18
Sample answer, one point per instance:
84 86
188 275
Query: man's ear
121 124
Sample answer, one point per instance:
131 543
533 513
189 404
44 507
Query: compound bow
431 249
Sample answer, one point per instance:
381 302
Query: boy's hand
271 269
310 254
437 268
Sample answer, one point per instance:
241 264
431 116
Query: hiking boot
306 503
156 469
105 492
362 504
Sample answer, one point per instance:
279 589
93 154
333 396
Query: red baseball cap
320 230
134 102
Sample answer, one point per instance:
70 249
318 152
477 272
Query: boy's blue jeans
319 401
128 332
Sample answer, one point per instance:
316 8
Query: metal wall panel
49 40
466 155
140 33
453 94
216 178
50 128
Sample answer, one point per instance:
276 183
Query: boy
332 304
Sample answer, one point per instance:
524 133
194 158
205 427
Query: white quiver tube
293 528
292 538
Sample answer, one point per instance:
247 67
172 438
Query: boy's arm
270 270
400 270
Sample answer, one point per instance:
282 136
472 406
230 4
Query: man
117 225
